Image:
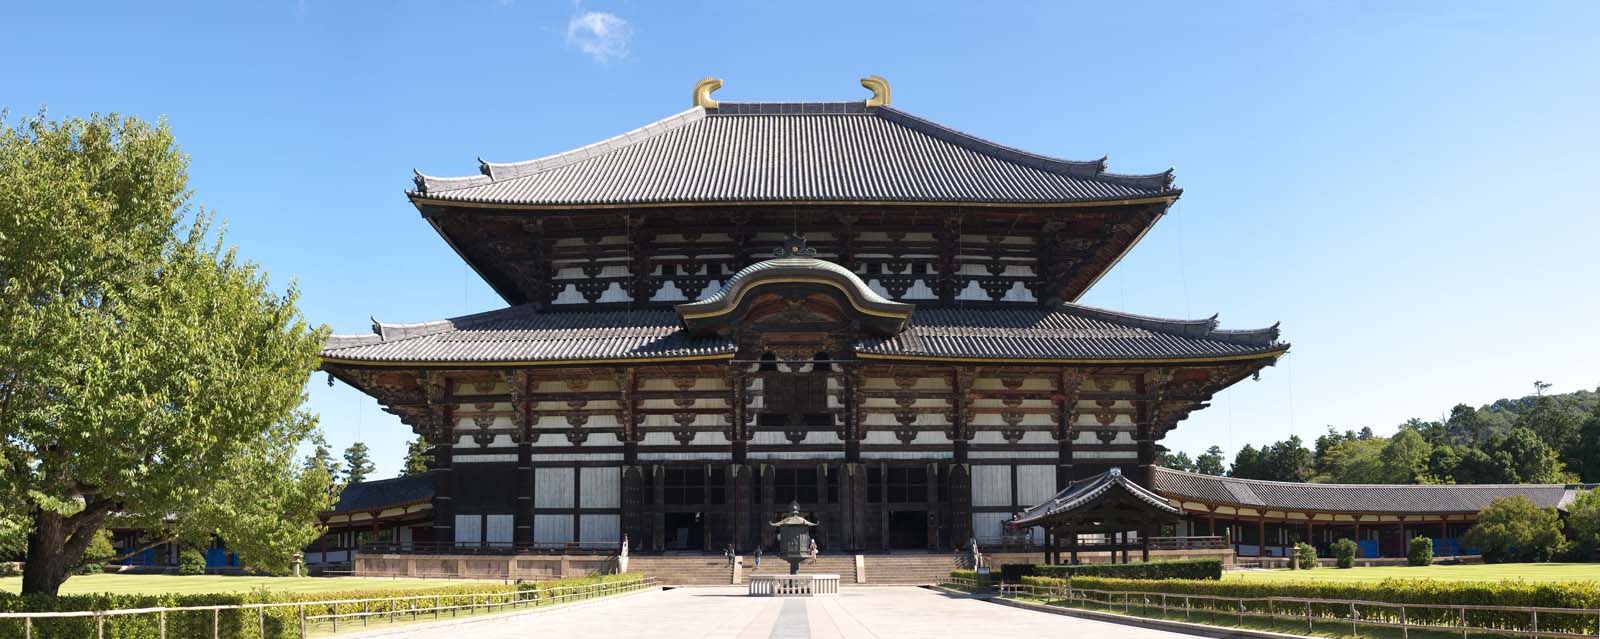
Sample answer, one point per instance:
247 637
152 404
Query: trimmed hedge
191 562
1420 551
281 623
1344 553
983 581
1428 595
1175 569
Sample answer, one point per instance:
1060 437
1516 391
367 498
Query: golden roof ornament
702 92
879 88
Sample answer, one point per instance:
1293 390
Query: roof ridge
499 171
397 332
1193 328
1083 169
1273 482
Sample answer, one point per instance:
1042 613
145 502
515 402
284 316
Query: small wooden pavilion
1109 505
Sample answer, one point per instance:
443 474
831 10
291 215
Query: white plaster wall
991 486
552 487
552 528
601 488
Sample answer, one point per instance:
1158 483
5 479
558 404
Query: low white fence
793 585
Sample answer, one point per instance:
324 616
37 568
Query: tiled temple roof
523 334
1087 490
792 152
372 495
1069 332
1351 498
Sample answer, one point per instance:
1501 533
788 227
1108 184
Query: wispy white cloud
602 36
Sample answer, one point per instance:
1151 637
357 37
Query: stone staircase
910 569
684 570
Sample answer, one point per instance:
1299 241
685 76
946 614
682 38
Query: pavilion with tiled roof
745 305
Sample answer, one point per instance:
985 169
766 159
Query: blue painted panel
1369 548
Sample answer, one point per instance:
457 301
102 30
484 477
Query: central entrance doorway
908 529
685 531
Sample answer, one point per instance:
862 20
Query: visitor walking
729 554
758 557
813 549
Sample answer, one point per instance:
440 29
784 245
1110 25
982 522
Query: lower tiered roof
1069 333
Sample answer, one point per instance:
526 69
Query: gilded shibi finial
879 88
702 92
794 246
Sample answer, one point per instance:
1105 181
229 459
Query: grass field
155 584
1479 572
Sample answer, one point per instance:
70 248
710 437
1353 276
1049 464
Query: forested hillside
1541 438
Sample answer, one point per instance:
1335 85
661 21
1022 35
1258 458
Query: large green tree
146 372
418 454
357 463
1210 462
1515 529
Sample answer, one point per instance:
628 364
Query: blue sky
1409 187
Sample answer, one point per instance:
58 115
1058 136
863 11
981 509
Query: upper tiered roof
802 152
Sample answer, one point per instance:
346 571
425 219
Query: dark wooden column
522 512
933 505
739 495
658 520
960 496
633 515
444 491
767 497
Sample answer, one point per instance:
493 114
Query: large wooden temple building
744 305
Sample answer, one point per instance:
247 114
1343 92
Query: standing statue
622 556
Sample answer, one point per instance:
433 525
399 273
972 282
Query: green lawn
153 584
1480 572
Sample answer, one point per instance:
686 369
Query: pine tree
418 454
358 463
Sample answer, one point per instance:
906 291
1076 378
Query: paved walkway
726 613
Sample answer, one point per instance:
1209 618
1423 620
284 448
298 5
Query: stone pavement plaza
726 613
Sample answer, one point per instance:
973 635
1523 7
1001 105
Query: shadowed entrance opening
908 529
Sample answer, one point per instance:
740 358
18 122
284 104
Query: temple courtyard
726 613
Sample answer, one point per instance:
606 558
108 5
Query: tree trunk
56 546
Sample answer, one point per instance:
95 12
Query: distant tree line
1536 439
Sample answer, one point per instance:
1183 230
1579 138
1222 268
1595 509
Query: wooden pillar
1261 534
444 489
1405 543
1072 544
658 519
960 496
1211 523
933 506
1144 544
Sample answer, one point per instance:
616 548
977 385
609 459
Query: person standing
758 557
813 549
729 554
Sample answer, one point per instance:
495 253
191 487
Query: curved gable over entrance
799 288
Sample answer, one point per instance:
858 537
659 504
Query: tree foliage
1288 460
357 463
418 455
1515 529
1583 520
1536 439
1210 462
145 370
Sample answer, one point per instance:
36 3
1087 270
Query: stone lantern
794 538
